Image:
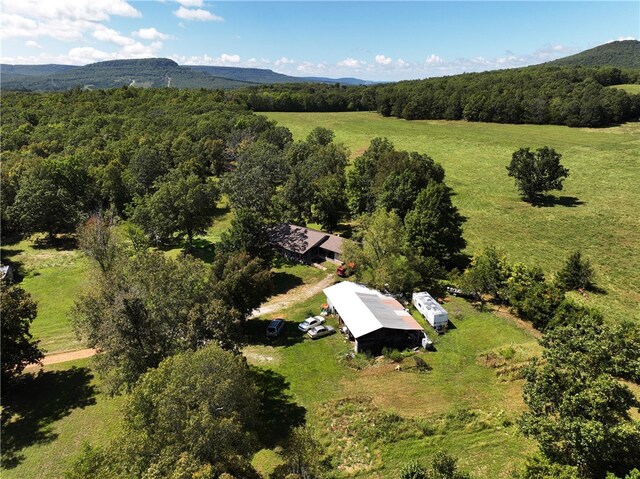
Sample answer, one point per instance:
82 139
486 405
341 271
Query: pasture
596 212
629 88
371 418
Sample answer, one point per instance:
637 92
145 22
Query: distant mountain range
149 73
162 72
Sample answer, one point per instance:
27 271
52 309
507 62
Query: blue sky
374 40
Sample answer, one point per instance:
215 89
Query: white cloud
93 11
150 34
32 44
197 14
65 20
225 58
382 60
402 64
350 63
105 34
434 59
191 3
284 61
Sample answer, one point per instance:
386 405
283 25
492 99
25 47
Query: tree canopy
536 173
19 349
193 416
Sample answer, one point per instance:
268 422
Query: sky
372 40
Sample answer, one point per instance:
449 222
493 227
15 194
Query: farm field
630 88
595 213
467 404
462 405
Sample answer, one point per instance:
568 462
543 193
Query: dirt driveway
295 295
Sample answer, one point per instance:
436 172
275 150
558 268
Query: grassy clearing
53 276
596 212
630 88
54 414
461 405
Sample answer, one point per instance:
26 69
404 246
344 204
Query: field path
64 357
276 303
297 294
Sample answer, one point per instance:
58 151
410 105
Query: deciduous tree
537 172
183 204
19 349
434 225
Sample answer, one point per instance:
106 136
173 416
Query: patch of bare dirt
296 295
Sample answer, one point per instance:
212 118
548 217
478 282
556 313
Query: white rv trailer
433 312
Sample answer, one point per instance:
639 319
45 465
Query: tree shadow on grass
283 282
255 333
279 412
549 201
59 243
203 249
35 403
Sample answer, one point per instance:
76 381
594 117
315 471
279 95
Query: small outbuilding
432 311
373 320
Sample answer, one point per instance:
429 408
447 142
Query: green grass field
54 414
629 88
465 405
54 277
596 213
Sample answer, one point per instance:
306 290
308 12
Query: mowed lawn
55 413
596 212
464 406
629 88
54 277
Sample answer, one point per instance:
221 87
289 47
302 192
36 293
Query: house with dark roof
305 244
374 320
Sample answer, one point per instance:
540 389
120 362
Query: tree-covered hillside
622 54
150 72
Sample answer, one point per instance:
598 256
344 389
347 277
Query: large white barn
374 320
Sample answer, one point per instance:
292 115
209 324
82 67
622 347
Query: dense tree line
152 155
546 94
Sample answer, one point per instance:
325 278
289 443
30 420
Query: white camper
433 312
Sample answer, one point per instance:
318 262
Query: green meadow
371 418
596 212
629 88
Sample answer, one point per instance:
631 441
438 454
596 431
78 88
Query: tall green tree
329 201
240 281
248 233
487 275
182 204
19 349
434 225
193 416
579 410
537 172
381 255
42 206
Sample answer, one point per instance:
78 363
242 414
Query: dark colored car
275 328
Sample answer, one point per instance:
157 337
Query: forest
560 95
